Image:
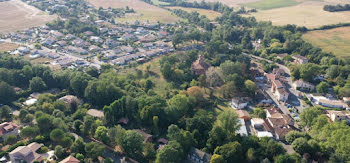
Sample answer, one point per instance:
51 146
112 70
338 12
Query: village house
70 159
323 101
338 115
260 128
280 124
24 50
239 103
243 114
199 67
277 88
70 101
26 153
197 156
8 128
146 137
300 59
303 85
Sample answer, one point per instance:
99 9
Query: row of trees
336 8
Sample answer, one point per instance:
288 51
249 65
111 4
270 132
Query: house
26 153
281 131
257 123
303 85
70 159
200 66
23 50
270 77
346 100
243 114
8 128
70 101
331 103
238 103
300 59
242 129
261 134
146 137
197 156
338 115
273 112
95 113
282 94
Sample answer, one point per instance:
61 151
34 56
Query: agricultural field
308 14
334 40
4 46
270 4
231 3
208 13
16 15
144 11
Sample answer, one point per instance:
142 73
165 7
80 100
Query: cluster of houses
111 43
276 125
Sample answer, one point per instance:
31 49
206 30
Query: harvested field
208 13
16 15
309 14
4 46
231 3
335 40
144 11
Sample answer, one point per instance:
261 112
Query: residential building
8 128
242 129
303 85
300 59
239 103
282 94
338 115
70 159
243 114
146 137
70 101
197 156
26 153
200 66
95 113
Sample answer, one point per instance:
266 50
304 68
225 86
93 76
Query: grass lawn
159 3
271 4
334 40
208 13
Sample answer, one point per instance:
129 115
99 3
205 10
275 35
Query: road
293 96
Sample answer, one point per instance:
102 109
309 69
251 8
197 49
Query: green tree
228 120
60 152
172 153
56 135
259 113
44 123
93 150
301 146
66 142
286 158
37 84
132 143
149 152
217 159
10 139
291 136
322 87
29 132
7 94
231 151
251 87
78 146
308 115
79 82
101 134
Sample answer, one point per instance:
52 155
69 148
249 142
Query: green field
271 4
335 40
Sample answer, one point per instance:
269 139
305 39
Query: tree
44 123
29 132
10 139
228 120
251 87
102 92
231 151
170 153
132 143
214 77
286 158
250 155
308 115
217 159
178 106
78 146
196 92
93 150
5 113
79 82
259 113
37 84
291 136
56 135
322 87
149 152
166 70
301 146
309 71
66 142
7 94
60 152
101 134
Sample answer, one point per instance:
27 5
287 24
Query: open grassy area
334 40
4 46
309 14
144 11
208 13
271 4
